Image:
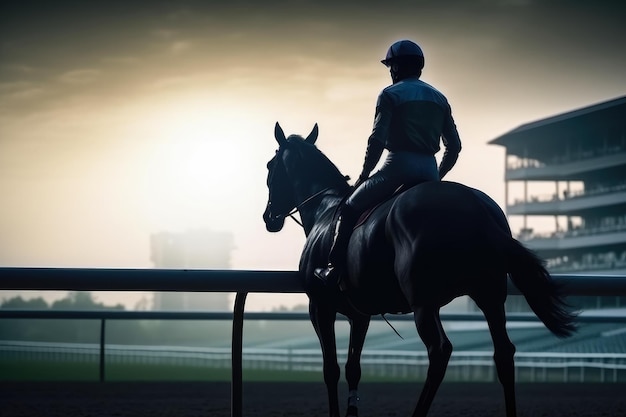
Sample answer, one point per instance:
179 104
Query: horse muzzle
273 223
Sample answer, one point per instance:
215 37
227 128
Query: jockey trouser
399 168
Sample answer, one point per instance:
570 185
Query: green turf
89 371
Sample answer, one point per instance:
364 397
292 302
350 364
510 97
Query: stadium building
569 172
192 249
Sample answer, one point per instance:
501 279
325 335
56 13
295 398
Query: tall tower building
571 168
193 249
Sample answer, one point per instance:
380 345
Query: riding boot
338 251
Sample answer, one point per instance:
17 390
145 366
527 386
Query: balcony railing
522 163
572 195
576 232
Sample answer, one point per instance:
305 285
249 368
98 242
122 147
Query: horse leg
323 320
504 349
358 331
439 349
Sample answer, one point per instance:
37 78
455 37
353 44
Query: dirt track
300 399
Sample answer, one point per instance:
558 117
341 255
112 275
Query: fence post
236 390
102 352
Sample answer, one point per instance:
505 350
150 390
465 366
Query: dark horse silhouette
414 253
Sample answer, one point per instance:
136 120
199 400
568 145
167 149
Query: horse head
282 198
298 174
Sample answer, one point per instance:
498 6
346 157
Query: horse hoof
352 411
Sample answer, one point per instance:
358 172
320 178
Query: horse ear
279 135
313 135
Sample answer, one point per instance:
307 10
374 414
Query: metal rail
240 282
584 317
214 280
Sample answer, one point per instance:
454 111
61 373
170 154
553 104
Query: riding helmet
402 50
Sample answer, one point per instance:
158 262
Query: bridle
302 204
298 206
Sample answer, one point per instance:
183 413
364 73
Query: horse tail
545 297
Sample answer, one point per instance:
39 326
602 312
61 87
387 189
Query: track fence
244 282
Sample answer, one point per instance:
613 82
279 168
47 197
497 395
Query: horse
413 253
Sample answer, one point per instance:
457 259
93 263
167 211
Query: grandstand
572 168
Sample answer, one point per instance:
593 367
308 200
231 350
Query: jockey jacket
412 116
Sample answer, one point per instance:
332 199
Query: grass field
88 371
31 370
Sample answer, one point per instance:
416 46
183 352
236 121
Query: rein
299 206
304 202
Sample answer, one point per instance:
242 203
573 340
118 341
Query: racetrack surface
282 399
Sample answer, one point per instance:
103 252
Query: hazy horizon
119 120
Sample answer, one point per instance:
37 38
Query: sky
120 119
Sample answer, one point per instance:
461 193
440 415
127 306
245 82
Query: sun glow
199 158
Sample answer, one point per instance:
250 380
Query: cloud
507 3
180 46
20 90
180 14
164 34
168 82
20 68
80 76
11 86
122 60
169 38
28 93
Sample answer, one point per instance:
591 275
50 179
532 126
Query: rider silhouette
411 118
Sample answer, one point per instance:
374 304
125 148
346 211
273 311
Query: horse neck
310 174
319 208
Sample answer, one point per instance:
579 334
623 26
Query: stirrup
328 274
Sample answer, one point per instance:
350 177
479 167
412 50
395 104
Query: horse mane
317 165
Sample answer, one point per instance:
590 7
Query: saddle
366 214
341 281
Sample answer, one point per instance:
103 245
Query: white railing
466 366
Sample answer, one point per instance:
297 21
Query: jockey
411 118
